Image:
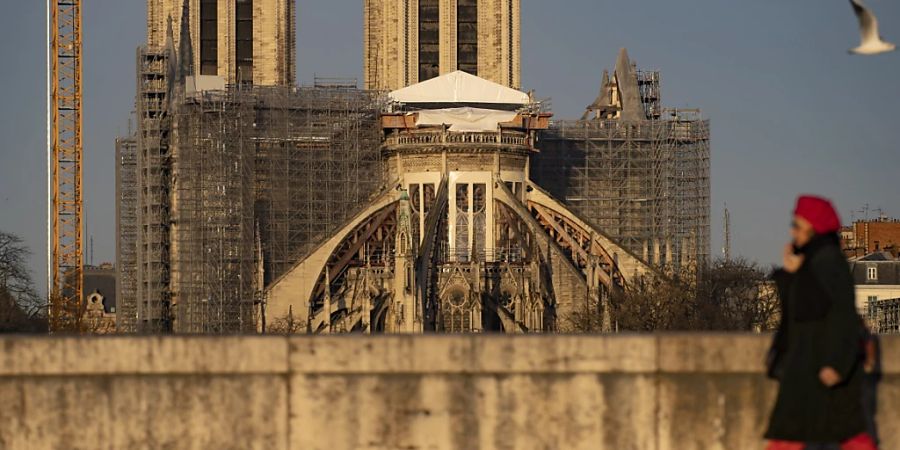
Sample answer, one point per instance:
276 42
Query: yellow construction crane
64 160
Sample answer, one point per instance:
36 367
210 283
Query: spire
171 54
629 93
170 33
627 105
602 101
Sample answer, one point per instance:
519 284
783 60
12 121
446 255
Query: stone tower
410 41
242 41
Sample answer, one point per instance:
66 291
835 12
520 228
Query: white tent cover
459 87
465 119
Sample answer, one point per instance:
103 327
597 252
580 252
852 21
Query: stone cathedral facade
460 239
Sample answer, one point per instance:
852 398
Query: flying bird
871 43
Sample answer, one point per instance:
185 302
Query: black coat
819 327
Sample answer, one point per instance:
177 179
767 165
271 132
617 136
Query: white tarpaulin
459 87
465 119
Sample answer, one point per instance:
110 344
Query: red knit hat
819 212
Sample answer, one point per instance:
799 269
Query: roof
460 88
887 273
101 280
877 257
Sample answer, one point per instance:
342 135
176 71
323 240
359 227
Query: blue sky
791 111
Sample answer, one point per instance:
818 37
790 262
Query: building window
429 39
467 36
872 273
244 41
209 37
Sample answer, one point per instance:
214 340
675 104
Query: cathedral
460 239
439 198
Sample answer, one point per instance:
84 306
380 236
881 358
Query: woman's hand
792 262
829 377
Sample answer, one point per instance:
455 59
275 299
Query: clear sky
791 111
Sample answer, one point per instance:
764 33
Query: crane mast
65 152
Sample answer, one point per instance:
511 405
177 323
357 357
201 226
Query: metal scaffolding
212 247
127 233
319 161
234 186
153 178
884 316
644 181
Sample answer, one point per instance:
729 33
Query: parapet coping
349 355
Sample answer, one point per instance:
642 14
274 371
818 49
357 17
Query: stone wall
400 392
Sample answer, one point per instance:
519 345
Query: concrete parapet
679 391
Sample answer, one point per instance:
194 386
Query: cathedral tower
410 41
242 41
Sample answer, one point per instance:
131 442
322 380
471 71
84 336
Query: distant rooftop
876 257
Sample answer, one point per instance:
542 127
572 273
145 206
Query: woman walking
816 354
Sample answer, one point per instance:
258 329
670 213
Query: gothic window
429 197
244 40
462 222
414 196
209 37
462 197
457 312
479 195
467 36
429 39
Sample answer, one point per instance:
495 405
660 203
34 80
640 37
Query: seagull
871 42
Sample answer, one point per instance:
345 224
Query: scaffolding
213 246
649 87
645 183
153 178
318 162
231 188
127 233
636 170
884 316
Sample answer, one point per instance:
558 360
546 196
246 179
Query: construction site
227 189
223 189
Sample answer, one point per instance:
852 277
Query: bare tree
21 308
733 295
736 295
587 319
286 324
662 303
